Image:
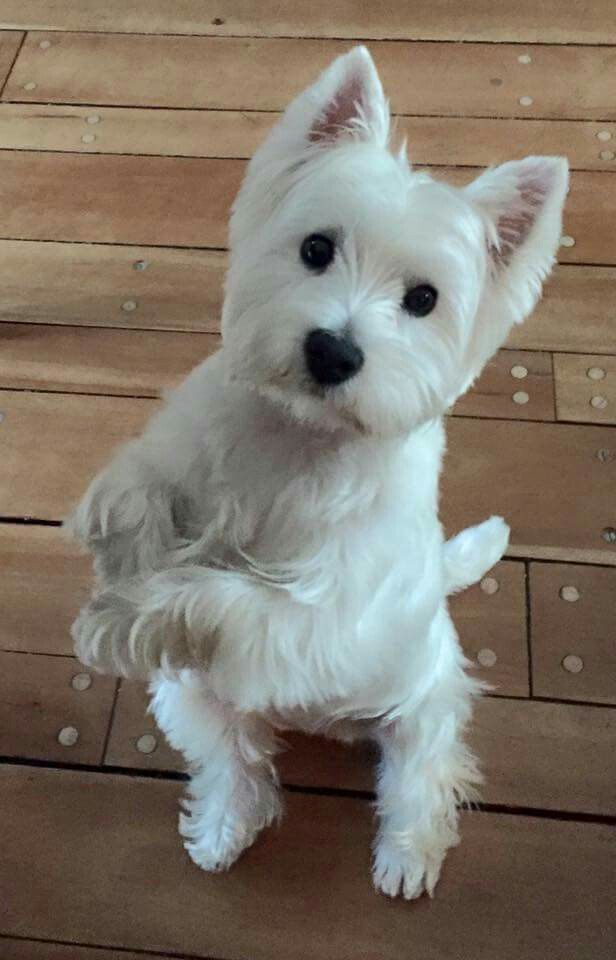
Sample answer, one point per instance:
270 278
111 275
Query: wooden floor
124 130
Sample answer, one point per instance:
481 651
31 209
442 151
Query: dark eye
421 300
317 251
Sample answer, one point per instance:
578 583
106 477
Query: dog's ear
347 100
521 205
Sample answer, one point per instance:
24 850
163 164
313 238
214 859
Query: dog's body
269 550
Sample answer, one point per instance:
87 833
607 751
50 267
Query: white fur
269 551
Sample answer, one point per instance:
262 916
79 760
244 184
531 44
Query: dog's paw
398 872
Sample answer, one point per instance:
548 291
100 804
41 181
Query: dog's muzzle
332 359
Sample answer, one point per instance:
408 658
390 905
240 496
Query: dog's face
362 294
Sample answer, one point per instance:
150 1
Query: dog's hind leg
470 554
233 787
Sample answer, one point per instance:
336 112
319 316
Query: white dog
269 551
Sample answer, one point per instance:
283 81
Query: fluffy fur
269 551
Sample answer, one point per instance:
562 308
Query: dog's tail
470 554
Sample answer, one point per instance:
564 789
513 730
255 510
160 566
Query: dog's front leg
233 787
426 770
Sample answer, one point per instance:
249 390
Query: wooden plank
536 755
89 360
515 385
134 739
466 141
536 881
53 445
45 950
10 42
113 199
45 579
52 709
577 313
81 285
585 388
547 480
182 201
536 474
466 79
574 656
436 20
110 286
125 362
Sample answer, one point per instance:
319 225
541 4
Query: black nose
331 359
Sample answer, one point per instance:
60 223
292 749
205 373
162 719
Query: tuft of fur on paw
474 551
399 872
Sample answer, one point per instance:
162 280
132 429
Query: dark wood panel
302 891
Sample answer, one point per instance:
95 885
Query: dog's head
365 294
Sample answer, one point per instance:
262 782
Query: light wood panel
585 388
79 284
9 45
45 579
113 199
577 313
235 133
574 655
548 480
91 285
263 74
135 740
53 445
515 385
183 201
436 20
510 874
44 712
87 360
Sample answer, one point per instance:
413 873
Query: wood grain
127 363
536 474
88 284
88 360
515 385
585 388
546 479
37 701
45 579
44 950
536 755
466 141
181 201
577 313
9 45
583 629
511 874
53 445
552 22
111 199
533 754
264 74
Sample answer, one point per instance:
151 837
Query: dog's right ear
346 103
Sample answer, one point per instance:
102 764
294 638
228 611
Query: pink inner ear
515 225
339 112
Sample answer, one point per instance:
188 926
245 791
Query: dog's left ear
521 205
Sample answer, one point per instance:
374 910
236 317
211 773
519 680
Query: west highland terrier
269 551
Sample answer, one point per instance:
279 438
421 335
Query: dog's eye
317 251
421 300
